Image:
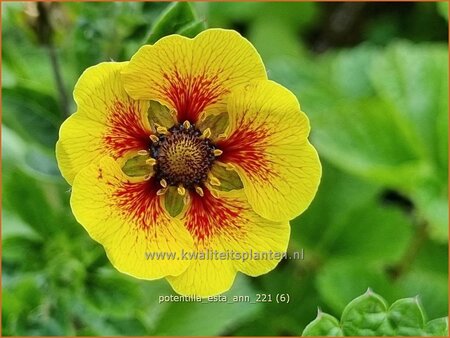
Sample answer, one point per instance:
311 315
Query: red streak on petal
247 148
209 216
126 130
191 94
139 203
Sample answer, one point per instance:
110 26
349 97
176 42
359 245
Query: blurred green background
372 77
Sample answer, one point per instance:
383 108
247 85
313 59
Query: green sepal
173 202
159 114
218 124
229 179
136 166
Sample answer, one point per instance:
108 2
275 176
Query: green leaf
399 75
14 226
33 115
437 327
443 8
182 317
113 293
350 138
283 40
368 315
349 73
332 210
17 312
38 208
341 279
364 315
430 285
431 198
192 29
18 249
175 19
406 317
379 224
323 325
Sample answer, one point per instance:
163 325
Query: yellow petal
127 217
224 230
268 146
107 121
193 75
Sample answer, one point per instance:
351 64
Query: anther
217 152
214 180
186 124
230 167
147 177
142 152
183 157
163 183
181 190
199 191
161 191
222 136
207 133
154 138
162 130
150 161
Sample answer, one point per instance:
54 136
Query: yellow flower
188 149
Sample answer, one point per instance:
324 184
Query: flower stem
413 249
46 37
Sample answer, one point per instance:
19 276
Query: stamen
186 199
147 177
142 152
230 167
183 157
199 191
207 133
222 136
151 161
161 191
213 180
181 190
214 193
163 183
217 152
162 130
186 124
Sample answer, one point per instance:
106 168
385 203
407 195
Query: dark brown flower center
183 156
